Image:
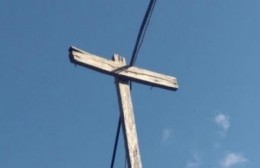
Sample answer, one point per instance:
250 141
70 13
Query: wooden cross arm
120 70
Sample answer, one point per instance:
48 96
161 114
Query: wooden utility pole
123 75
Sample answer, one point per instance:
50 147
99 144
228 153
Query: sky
54 114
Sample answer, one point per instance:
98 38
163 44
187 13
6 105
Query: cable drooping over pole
142 31
138 44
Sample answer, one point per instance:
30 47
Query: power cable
116 142
142 31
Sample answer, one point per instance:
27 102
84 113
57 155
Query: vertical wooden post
127 114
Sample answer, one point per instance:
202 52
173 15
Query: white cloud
195 162
232 159
166 134
223 121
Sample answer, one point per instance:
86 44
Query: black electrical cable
116 142
142 31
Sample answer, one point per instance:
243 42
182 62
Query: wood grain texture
127 114
119 70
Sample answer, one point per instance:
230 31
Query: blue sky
57 115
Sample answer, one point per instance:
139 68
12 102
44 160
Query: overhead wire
142 31
116 142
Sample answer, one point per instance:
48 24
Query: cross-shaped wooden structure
123 75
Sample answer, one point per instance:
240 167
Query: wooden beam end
72 51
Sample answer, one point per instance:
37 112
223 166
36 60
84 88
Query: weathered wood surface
127 114
132 73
